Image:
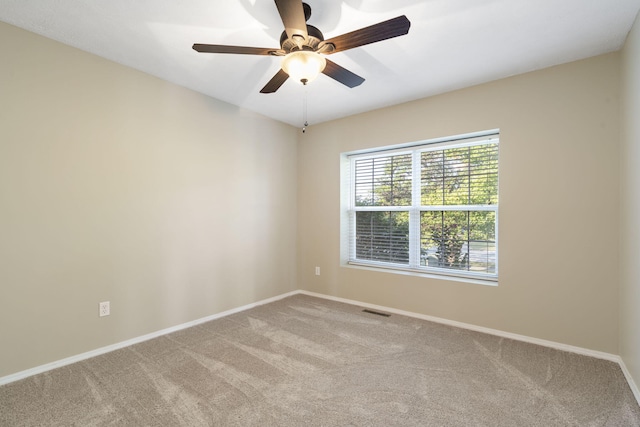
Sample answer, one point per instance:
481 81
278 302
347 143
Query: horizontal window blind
427 208
460 176
383 181
382 236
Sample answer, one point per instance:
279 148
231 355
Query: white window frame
348 232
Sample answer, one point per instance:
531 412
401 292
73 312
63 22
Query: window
430 208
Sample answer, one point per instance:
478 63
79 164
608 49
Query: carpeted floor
304 361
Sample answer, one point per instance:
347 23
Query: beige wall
630 198
559 204
118 186
115 185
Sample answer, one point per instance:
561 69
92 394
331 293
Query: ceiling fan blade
342 75
275 82
293 17
217 48
382 31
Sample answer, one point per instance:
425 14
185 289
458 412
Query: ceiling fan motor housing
311 43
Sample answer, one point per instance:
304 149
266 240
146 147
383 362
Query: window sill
490 281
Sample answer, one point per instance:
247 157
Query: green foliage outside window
456 232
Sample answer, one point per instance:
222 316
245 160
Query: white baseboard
632 384
545 343
102 350
559 346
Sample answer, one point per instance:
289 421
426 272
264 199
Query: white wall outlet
317 271
105 309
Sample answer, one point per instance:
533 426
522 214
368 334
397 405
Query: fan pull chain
304 111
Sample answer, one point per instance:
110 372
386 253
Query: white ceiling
451 44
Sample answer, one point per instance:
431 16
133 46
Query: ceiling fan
303 46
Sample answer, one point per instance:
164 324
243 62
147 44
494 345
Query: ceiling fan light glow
303 66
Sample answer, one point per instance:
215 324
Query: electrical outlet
317 271
105 309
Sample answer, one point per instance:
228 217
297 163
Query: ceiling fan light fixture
304 65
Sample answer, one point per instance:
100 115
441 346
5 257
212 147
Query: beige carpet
304 361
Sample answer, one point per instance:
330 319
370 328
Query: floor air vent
376 312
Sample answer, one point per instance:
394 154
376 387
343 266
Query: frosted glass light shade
303 66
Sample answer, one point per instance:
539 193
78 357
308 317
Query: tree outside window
451 223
